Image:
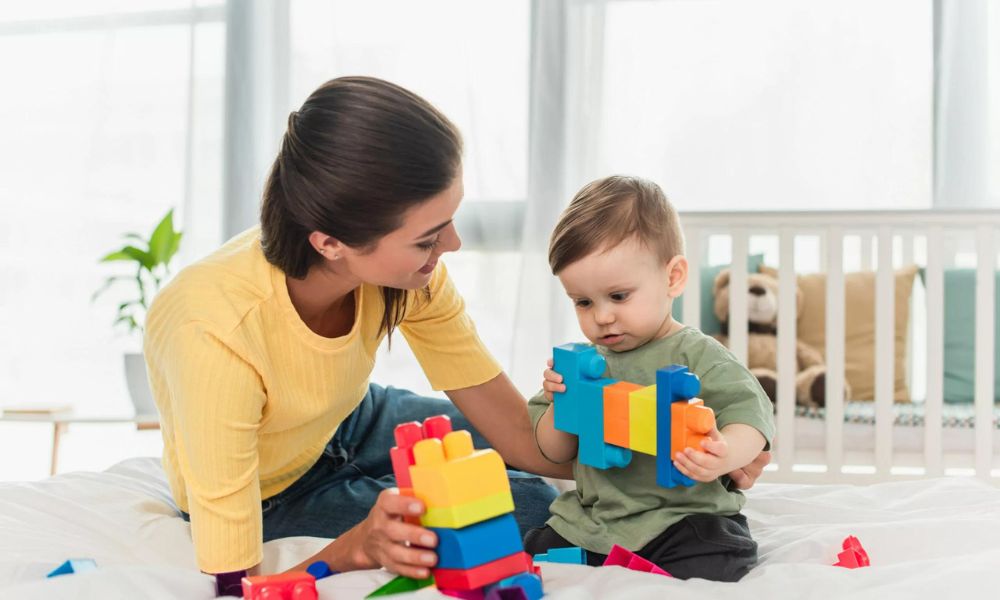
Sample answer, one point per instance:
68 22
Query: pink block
622 557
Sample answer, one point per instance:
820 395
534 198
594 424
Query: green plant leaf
162 239
140 256
116 255
107 283
174 246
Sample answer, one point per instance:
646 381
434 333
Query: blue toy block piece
320 569
478 544
74 565
574 555
673 384
523 586
580 409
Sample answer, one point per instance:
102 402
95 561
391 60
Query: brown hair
611 210
357 155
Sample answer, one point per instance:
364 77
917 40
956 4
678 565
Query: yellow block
451 473
642 420
466 514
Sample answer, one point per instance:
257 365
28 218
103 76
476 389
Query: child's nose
605 317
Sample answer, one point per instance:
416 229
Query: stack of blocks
612 418
468 505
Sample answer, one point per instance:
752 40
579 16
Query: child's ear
677 272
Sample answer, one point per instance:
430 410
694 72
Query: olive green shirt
625 506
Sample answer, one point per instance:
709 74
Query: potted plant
150 261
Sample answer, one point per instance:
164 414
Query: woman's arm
499 412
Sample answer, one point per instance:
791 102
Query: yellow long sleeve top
249 395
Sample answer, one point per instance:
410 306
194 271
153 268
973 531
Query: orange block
616 413
690 423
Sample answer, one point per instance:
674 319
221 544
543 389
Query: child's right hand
552 382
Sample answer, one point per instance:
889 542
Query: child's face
623 296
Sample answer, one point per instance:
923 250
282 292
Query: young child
619 253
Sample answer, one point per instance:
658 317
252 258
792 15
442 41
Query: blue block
478 543
523 586
580 409
320 569
673 384
74 565
574 555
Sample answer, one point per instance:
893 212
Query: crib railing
944 234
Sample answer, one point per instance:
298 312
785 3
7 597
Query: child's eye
429 245
581 303
619 296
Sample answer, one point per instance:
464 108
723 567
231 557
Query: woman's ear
677 273
330 248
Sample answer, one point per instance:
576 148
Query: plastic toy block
523 586
296 585
582 405
476 594
642 420
477 544
463 515
320 569
407 435
616 413
477 577
854 554
622 557
574 555
401 585
691 422
673 384
74 565
436 427
449 472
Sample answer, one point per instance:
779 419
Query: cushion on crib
859 326
710 324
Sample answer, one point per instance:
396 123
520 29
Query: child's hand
552 382
708 465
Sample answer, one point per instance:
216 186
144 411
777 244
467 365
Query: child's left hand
708 465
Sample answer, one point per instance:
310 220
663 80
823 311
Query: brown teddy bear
762 346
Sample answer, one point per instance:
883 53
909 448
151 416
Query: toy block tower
613 418
468 505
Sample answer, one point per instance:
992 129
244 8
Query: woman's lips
428 267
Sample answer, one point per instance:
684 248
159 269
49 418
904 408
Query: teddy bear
762 345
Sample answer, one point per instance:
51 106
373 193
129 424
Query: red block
436 427
286 586
622 557
853 556
485 574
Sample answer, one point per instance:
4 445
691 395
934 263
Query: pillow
710 324
859 326
960 336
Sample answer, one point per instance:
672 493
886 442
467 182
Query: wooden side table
62 420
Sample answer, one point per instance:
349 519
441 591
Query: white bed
927 538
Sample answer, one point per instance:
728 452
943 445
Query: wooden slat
738 296
692 292
935 352
985 292
884 351
835 350
786 351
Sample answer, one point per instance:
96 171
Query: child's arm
557 446
736 446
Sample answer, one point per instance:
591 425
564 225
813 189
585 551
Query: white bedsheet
933 538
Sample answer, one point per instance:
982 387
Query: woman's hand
552 382
383 539
744 478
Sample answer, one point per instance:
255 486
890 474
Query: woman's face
405 258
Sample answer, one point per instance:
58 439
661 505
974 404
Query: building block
476 594
853 556
574 555
580 409
74 565
623 557
400 585
320 569
479 543
485 574
616 413
691 421
523 586
463 515
297 585
673 384
642 420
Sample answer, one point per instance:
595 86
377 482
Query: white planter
138 385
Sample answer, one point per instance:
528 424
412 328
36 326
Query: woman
259 355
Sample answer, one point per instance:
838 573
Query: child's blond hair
611 210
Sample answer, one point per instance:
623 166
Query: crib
821 446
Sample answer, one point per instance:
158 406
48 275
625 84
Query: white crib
944 238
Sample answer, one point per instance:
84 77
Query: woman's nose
450 239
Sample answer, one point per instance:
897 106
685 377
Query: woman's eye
429 245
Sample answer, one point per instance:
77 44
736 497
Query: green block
400 585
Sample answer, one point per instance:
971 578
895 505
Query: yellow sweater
249 395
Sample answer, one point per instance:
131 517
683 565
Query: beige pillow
859 326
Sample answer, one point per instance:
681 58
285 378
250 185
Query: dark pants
705 546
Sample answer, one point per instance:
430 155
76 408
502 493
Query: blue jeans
339 490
